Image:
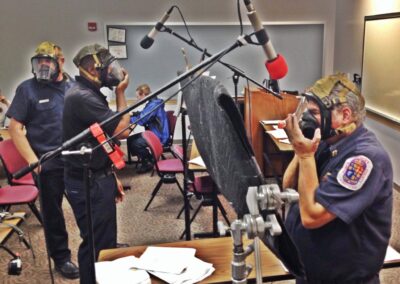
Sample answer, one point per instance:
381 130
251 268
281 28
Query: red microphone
276 63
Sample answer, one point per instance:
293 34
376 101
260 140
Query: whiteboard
300 44
381 65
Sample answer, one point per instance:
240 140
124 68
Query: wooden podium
260 105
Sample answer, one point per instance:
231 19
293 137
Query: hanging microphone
148 39
276 63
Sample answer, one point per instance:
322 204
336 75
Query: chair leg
223 212
36 212
154 193
192 219
180 212
183 194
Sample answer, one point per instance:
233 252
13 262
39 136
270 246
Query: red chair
171 123
166 169
20 194
13 162
204 189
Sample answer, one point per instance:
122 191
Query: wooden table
217 251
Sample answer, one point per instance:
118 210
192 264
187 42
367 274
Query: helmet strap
89 76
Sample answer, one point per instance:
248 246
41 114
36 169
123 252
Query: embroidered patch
355 172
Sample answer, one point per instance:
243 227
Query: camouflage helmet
337 84
99 52
47 48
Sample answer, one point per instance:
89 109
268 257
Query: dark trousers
138 146
369 280
103 192
52 192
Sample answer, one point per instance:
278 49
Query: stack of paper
121 271
174 265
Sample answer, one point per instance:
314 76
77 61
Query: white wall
348 58
25 23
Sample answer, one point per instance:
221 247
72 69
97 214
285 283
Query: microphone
148 39
276 63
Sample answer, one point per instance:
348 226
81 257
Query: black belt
99 174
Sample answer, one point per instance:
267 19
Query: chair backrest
11 158
171 123
154 144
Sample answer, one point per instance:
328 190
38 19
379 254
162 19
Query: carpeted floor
135 227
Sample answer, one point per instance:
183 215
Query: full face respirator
111 72
327 93
45 65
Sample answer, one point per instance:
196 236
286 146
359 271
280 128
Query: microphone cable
186 26
239 16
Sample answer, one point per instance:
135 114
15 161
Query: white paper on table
278 133
285 141
120 271
165 259
198 161
269 122
391 254
196 271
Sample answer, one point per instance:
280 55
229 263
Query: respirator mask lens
44 68
114 74
308 124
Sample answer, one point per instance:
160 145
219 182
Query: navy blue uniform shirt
84 106
356 186
39 107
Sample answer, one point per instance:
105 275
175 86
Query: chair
171 123
166 169
205 190
20 194
13 162
167 146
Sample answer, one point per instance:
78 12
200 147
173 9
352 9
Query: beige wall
348 58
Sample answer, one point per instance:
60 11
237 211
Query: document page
166 259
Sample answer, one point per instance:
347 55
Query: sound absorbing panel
220 136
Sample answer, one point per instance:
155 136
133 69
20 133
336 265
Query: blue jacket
156 120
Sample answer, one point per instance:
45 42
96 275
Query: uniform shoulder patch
354 172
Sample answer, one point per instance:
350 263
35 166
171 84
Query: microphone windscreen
146 42
277 68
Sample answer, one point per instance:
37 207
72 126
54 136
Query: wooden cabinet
260 105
